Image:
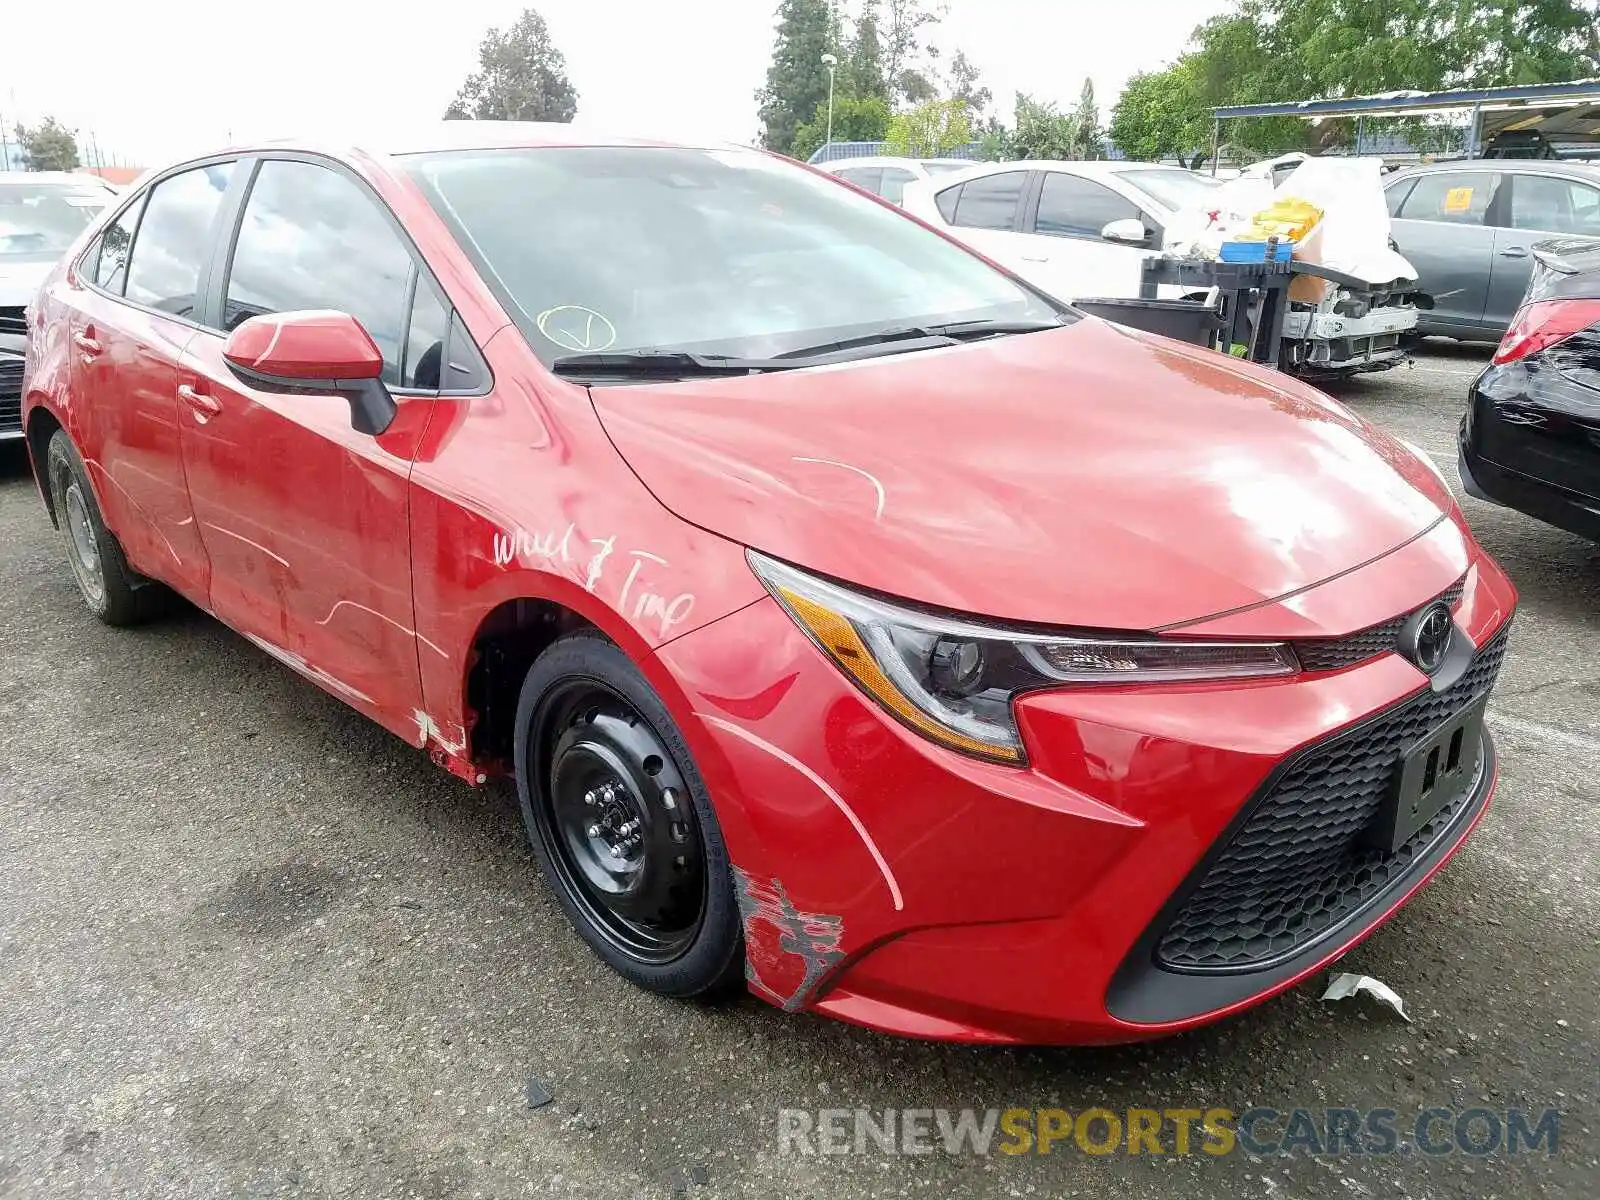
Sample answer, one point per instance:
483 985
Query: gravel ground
254 946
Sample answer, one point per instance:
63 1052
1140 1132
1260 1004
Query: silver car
1469 228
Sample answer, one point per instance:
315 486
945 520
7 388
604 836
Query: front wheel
622 823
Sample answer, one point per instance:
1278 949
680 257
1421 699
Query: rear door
986 214
1541 206
305 519
134 315
1063 238
1445 227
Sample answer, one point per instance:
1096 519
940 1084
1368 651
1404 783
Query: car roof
466 135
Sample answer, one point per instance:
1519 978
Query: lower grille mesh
1297 867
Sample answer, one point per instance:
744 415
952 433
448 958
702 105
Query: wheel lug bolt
588 798
593 831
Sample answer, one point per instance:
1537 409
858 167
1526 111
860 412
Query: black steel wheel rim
617 821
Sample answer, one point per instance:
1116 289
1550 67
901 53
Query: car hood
1093 476
20 278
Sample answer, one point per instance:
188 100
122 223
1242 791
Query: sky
156 80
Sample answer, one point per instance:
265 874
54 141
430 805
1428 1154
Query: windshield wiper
942 334
664 364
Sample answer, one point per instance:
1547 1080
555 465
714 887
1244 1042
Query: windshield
628 249
945 168
41 220
1173 187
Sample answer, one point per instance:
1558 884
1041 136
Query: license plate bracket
1432 774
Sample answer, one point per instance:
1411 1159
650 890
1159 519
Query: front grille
1335 654
10 394
1298 867
12 319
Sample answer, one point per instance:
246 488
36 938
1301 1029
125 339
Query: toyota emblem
1430 638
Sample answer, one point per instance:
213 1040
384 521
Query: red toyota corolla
853 617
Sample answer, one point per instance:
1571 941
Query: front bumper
891 883
1333 343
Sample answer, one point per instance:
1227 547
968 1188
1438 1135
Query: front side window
40 221
1545 204
313 238
991 202
1452 198
1081 208
175 238
621 249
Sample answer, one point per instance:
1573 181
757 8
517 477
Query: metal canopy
1413 104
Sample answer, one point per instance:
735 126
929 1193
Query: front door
305 519
1445 228
1065 236
986 214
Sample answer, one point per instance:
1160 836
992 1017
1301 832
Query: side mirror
315 352
1129 231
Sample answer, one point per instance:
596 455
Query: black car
1531 436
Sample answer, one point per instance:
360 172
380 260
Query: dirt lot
251 945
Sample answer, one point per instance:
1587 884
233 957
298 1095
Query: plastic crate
1255 252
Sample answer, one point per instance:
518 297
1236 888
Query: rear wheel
113 590
622 823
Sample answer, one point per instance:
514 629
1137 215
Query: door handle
204 406
87 344
1514 252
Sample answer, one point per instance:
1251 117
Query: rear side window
894 183
313 238
1546 204
108 258
947 201
990 202
1074 207
175 238
1452 198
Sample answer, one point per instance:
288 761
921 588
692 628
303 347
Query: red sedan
854 618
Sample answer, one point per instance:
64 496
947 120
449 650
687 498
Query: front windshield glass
41 220
946 168
1174 187
628 249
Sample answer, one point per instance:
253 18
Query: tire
622 823
113 590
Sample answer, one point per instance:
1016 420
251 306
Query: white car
889 177
1073 229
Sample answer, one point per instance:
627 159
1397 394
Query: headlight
954 680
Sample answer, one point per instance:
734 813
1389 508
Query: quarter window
1452 197
894 183
947 201
174 240
1546 204
1074 207
312 238
990 202
425 339
109 257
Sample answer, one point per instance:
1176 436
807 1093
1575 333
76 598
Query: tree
966 85
797 82
1266 50
521 77
930 129
48 146
1160 115
864 62
855 119
1042 131
903 51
